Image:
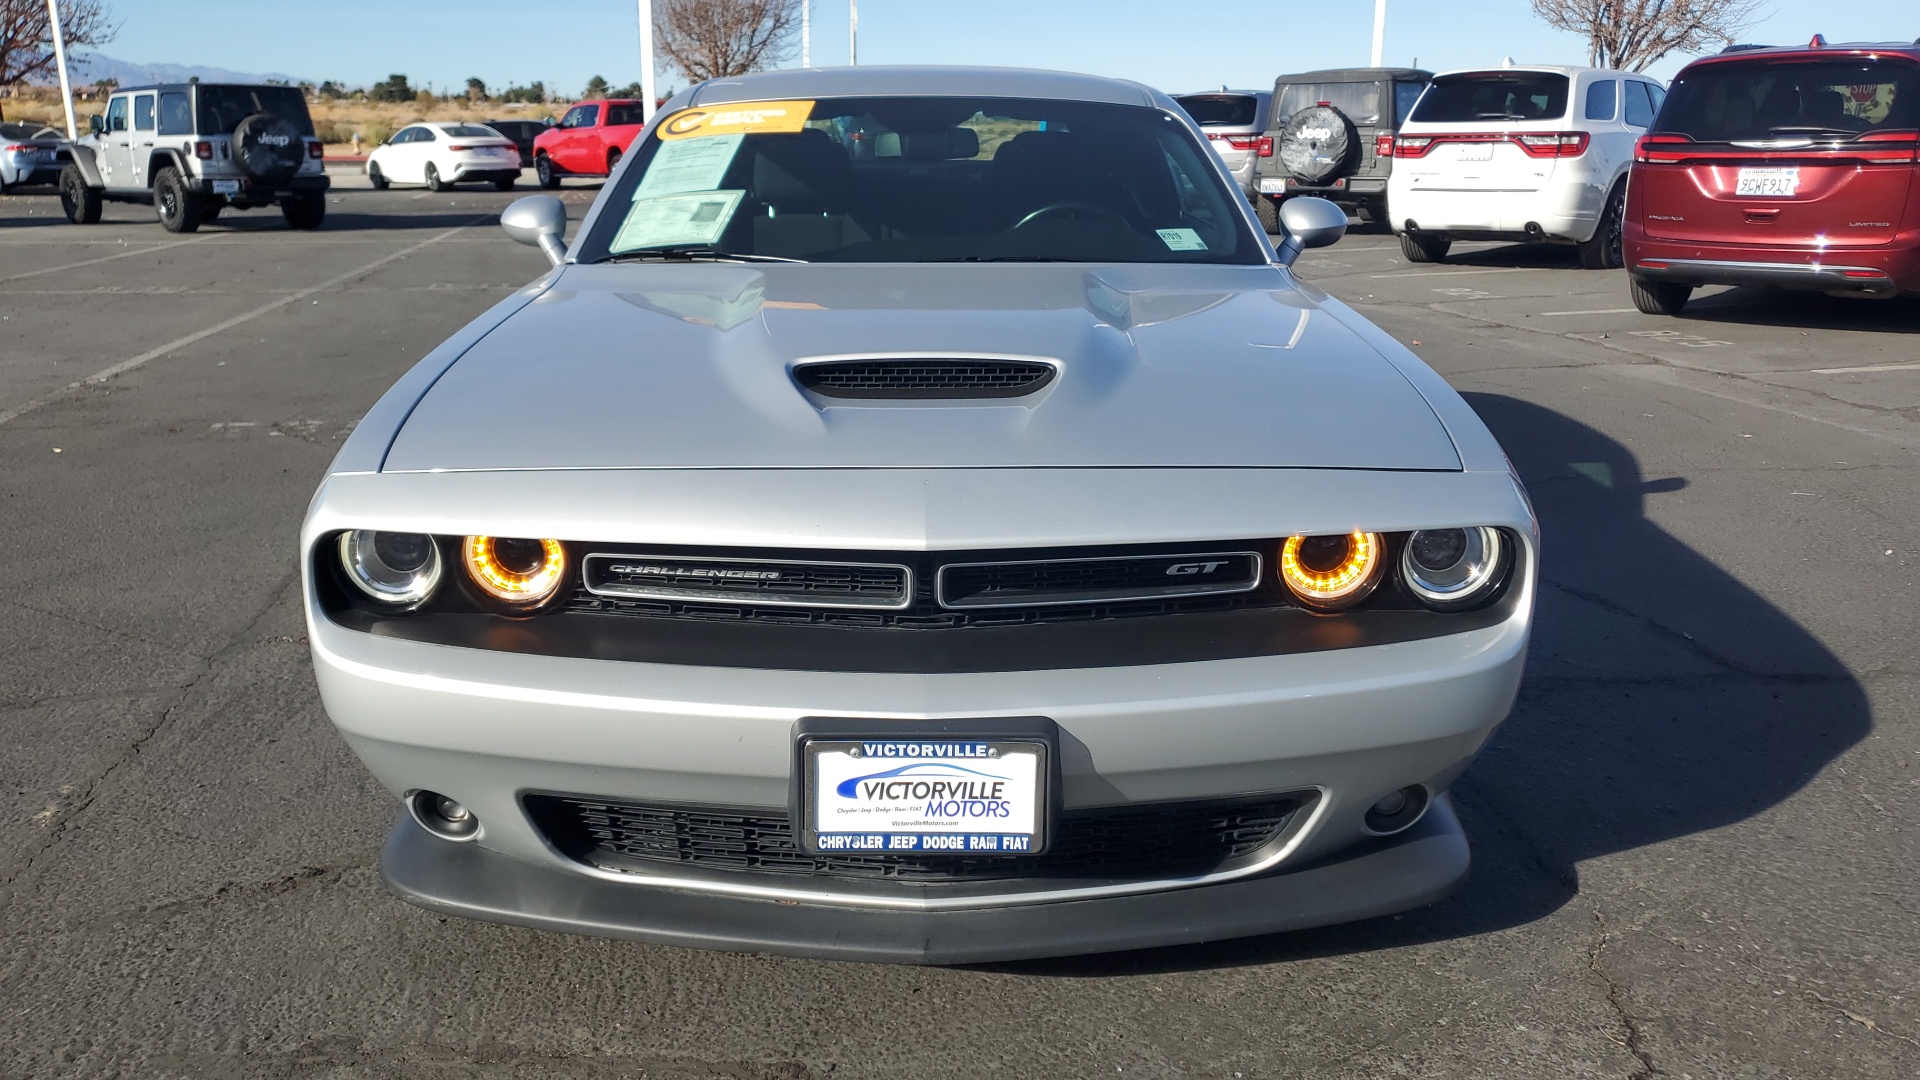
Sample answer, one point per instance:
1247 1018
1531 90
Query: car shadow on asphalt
1794 310
1518 256
1663 698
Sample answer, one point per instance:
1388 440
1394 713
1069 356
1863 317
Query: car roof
1222 92
1833 50
1554 69
1355 75
924 81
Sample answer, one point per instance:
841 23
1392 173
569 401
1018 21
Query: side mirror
1309 223
95 125
539 221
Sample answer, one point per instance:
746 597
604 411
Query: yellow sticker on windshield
750 118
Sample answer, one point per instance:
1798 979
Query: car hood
689 366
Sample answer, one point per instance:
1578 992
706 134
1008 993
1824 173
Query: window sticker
1182 240
751 118
686 218
688 165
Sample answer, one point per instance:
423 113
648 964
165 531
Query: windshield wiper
1811 129
692 253
998 258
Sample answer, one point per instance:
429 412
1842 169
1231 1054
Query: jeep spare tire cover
1316 144
269 147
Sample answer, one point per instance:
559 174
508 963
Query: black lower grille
1154 841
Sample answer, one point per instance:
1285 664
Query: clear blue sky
1177 45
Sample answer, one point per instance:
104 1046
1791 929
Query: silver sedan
29 154
920 517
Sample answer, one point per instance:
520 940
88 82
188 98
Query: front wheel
1603 250
1423 249
543 169
179 209
434 183
305 210
78 198
375 177
1658 297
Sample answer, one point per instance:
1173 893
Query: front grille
924 378
1071 581
1151 842
772 582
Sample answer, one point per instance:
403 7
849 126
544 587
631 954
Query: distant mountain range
85 69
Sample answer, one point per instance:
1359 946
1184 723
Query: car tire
377 178
178 208
78 198
613 160
1658 297
1603 250
1422 249
434 183
1317 144
543 169
305 210
1268 211
505 184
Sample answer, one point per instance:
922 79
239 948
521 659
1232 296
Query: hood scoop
923 379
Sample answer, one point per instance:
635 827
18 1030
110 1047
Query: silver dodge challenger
920 517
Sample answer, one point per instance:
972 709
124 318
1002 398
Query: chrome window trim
756 599
1170 591
1289 842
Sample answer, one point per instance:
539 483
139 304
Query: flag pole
806 33
647 94
60 61
853 33
1379 31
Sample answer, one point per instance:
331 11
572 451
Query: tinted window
1759 100
175 117
1220 110
1361 101
1405 94
471 131
580 116
117 115
223 107
424 134
143 113
1639 105
623 114
1494 95
1659 95
409 135
936 179
1602 96
20 131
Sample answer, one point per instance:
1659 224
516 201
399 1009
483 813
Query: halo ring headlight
1329 573
1448 569
520 573
397 569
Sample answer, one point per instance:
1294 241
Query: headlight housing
1332 573
521 574
399 570
1452 569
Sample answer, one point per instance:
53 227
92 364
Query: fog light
1397 811
442 816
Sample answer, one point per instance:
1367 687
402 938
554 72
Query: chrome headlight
398 569
1328 573
1448 569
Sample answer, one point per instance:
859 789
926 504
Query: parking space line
101 259
1596 311
1461 273
125 366
1863 368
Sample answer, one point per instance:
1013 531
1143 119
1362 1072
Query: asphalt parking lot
1695 842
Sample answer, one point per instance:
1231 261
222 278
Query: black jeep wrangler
1332 137
195 149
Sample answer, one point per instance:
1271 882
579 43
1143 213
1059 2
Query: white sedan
442 155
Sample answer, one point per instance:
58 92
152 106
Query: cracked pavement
1694 846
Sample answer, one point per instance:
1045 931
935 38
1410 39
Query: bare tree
710 39
1631 35
26 35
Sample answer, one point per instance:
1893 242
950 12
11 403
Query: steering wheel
1068 206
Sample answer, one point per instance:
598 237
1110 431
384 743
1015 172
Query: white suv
1534 154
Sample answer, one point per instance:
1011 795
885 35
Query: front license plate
956 796
1273 186
1768 183
226 187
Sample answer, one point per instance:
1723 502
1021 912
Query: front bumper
1379 877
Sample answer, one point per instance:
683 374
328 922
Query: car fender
82 157
159 159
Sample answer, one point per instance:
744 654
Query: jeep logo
1185 569
274 140
1316 133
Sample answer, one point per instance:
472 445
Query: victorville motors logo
947 790
926 796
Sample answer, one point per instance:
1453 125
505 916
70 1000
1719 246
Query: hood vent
921 379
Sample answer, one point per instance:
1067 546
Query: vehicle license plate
959 796
1274 185
226 187
1473 151
1768 183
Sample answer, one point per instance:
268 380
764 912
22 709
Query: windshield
26 131
1362 102
223 107
1763 100
1493 95
924 179
1220 110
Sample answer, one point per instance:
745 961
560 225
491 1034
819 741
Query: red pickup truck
588 140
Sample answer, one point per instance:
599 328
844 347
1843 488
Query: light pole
853 33
646 62
1379 30
60 61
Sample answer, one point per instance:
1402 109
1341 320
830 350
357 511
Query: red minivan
1796 168
588 141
